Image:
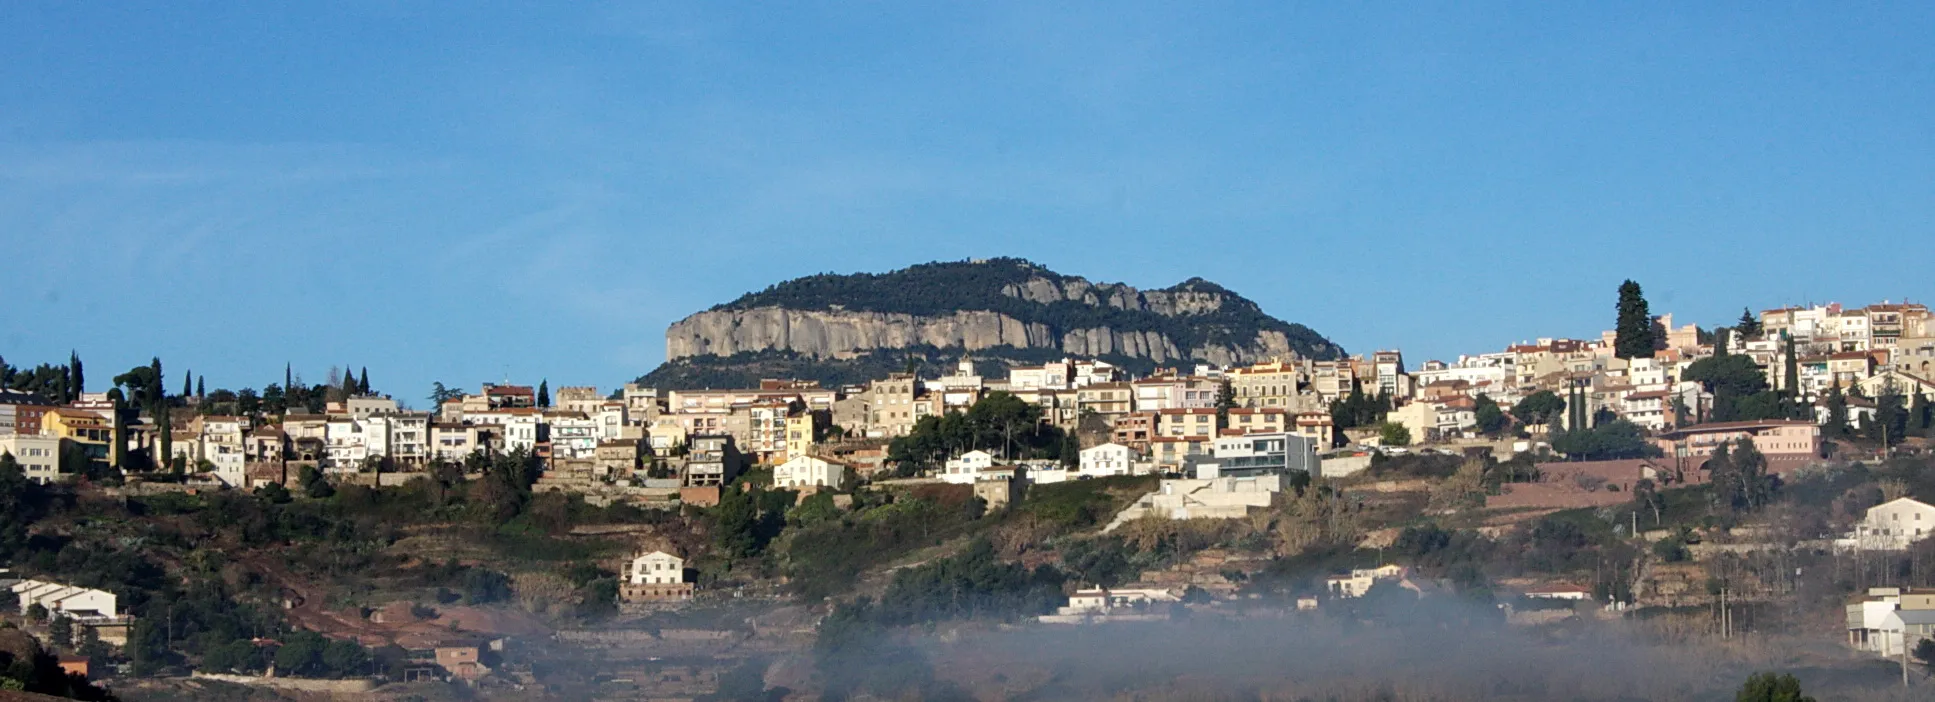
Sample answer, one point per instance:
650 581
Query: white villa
1892 526
811 471
969 468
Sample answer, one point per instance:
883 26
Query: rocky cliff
1003 308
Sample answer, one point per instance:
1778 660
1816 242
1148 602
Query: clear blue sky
538 191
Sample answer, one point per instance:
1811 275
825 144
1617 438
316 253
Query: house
1558 592
807 471
1121 604
619 457
38 456
1186 423
655 577
365 406
80 603
464 662
1893 525
1887 620
1134 430
1111 459
1360 581
968 468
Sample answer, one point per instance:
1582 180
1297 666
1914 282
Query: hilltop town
1769 478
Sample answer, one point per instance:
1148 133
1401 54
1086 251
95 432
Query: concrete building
1252 455
1890 620
38 456
711 460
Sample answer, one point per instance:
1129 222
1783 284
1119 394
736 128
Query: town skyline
399 184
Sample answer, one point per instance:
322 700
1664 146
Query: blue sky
536 192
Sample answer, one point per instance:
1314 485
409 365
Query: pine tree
1749 325
364 384
349 382
1633 336
544 393
77 378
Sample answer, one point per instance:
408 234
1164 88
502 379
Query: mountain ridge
1005 309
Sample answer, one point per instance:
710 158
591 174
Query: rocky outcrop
841 334
834 326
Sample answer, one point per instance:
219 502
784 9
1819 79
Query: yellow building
84 427
800 428
93 432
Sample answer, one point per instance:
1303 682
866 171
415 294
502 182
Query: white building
804 471
970 467
78 602
1361 580
1111 459
1889 617
574 436
1118 604
656 568
1249 455
37 455
402 437
1892 526
345 445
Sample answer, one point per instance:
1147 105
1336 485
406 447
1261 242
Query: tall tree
349 383
288 377
364 384
76 377
188 384
544 393
1749 325
1722 342
157 394
201 387
1633 337
1225 401
1791 369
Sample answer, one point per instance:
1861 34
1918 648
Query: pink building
1788 444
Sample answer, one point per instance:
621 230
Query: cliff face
841 334
991 305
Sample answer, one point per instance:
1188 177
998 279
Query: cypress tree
156 396
1722 338
1793 371
288 378
364 384
1633 335
544 393
201 386
188 384
77 379
349 382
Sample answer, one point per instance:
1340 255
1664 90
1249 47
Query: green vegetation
1610 441
1769 687
1542 407
999 423
1739 388
1633 333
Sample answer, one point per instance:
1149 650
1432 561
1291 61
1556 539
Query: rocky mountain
837 327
